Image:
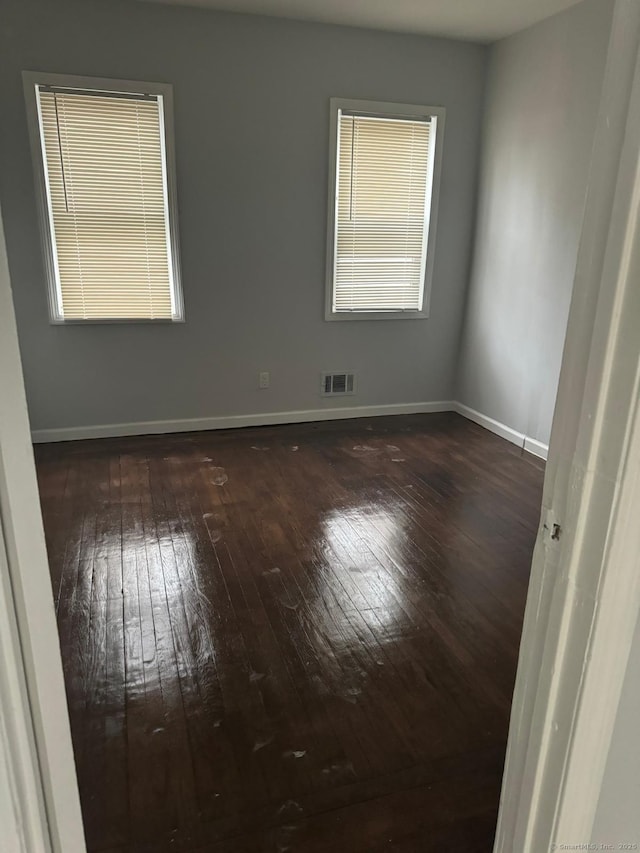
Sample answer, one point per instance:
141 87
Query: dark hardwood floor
297 638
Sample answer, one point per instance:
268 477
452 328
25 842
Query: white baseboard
492 425
531 445
40 436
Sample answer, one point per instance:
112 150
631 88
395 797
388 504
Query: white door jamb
584 593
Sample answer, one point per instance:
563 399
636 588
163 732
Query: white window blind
106 181
384 178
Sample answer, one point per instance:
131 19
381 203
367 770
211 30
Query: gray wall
618 815
251 105
543 93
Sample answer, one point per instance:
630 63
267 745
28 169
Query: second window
383 199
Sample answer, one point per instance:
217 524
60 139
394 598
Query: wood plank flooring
298 638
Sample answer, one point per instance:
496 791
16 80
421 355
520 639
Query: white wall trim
32 696
491 424
584 591
537 448
22 808
234 421
531 445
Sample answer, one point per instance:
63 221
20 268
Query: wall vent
333 384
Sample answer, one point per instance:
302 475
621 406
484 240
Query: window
384 166
103 157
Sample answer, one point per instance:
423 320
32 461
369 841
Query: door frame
35 735
584 593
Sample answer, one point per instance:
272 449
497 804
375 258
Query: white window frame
164 91
382 109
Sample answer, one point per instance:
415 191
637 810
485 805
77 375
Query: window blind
383 198
107 195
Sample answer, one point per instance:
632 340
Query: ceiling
475 20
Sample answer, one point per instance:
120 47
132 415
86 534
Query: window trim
389 110
31 79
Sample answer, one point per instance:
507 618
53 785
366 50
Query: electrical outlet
264 379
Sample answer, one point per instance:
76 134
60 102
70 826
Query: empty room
292 282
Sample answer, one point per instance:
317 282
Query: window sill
357 316
118 321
